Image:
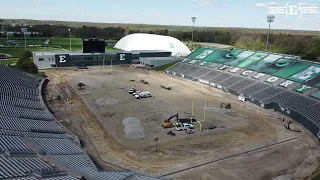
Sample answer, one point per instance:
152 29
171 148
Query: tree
25 64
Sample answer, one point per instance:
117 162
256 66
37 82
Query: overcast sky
215 13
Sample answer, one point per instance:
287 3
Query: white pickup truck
144 94
184 126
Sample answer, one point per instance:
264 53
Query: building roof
74 53
152 42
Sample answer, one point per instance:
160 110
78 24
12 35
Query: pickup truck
184 126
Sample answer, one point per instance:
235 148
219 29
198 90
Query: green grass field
9 61
57 44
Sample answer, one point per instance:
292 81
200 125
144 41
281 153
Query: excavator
80 85
226 106
167 124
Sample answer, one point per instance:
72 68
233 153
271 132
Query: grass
16 52
9 61
164 67
41 74
57 44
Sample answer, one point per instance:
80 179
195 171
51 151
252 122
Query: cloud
306 4
204 2
266 4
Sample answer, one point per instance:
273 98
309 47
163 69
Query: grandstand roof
141 41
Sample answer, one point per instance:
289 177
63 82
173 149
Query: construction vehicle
80 85
135 93
144 82
167 123
132 90
165 87
144 94
226 106
184 126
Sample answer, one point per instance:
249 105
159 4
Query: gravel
133 128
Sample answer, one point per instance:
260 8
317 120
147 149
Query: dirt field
248 143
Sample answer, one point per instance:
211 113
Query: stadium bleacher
29 133
277 81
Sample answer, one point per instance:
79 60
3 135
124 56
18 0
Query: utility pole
270 19
156 140
69 38
193 21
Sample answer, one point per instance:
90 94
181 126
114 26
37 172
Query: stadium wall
46 60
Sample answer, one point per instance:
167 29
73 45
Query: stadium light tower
270 19
70 38
24 30
193 21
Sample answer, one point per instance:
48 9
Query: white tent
141 41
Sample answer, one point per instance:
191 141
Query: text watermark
294 10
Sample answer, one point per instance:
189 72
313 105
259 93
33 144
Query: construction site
173 128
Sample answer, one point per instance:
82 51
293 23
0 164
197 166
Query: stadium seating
25 123
11 167
52 178
300 75
57 146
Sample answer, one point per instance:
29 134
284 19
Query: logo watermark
294 9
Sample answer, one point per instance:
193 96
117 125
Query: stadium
246 107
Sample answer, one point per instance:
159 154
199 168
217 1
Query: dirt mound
102 102
133 128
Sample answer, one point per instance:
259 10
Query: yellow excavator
167 123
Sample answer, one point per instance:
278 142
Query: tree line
305 46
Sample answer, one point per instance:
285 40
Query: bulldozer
226 106
167 124
80 85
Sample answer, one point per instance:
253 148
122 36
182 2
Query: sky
210 13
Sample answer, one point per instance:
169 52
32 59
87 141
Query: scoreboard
93 45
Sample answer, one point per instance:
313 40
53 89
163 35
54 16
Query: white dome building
142 41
